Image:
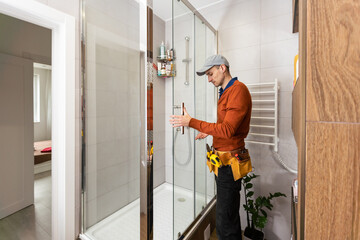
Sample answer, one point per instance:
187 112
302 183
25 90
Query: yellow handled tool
213 158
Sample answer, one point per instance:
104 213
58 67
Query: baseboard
42 167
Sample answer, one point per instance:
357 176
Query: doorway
26 126
63 76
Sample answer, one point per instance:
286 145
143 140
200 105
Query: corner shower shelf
166 60
269 124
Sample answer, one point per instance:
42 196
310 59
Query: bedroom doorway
26 127
42 110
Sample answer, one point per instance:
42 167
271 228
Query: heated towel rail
264 120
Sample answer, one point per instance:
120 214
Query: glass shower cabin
116 169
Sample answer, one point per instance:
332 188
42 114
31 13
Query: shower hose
189 152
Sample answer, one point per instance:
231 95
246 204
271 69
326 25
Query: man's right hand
201 136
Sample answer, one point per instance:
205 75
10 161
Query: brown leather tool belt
239 159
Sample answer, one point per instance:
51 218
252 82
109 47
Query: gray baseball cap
215 60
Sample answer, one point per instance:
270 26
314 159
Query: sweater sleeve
236 109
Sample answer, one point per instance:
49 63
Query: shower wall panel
160 120
112 103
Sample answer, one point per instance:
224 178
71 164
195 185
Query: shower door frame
143 55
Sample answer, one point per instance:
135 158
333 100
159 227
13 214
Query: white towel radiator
264 119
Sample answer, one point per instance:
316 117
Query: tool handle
182 113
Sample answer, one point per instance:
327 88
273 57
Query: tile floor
33 222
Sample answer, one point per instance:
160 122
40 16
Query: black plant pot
253 234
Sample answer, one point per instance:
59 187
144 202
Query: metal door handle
182 112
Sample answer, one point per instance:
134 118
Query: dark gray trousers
228 226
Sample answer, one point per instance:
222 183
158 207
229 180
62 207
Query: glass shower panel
111 103
183 92
200 89
211 109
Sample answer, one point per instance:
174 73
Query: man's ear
223 68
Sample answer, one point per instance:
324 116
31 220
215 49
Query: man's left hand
180 120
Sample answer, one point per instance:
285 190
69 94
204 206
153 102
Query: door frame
63 103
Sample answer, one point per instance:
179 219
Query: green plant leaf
269 207
258 201
246 179
279 194
248 185
261 221
249 194
263 212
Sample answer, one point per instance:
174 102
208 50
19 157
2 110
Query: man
232 126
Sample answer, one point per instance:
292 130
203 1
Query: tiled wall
256 37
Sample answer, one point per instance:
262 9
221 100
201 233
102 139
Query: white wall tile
42 1
279 53
247 76
272 8
239 36
112 177
159 176
67 6
243 58
284 75
277 28
232 13
134 190
285 104
112 201
159 159
169 174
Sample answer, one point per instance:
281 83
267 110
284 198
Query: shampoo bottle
162 50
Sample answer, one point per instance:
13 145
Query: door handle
182 112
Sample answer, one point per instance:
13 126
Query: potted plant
256 208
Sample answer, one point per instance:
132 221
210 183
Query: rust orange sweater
233 119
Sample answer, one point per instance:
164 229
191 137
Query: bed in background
40 157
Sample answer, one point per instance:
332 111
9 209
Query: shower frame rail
198 14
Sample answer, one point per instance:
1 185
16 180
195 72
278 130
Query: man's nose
209 79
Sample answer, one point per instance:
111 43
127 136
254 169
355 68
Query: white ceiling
207 8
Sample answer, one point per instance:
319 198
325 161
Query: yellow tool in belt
213 158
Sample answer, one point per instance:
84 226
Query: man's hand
180 120
201 136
